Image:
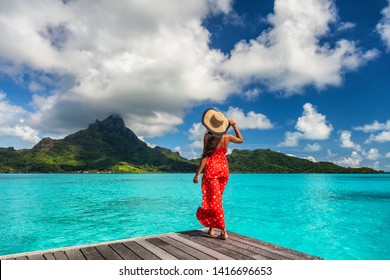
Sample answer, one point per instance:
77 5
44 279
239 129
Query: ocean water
330 216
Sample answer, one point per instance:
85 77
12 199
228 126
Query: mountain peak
45 143
114 123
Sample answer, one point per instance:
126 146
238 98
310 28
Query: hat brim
206 121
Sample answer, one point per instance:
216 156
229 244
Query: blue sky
308 78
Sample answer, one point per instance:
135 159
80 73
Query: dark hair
211 141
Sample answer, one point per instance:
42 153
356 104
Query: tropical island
108 146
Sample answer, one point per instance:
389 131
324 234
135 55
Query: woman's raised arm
238 139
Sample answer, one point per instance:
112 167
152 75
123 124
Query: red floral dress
214 180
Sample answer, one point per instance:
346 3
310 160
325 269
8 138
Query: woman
216 169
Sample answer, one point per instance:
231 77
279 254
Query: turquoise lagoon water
330 216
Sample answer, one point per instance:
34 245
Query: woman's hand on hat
232 122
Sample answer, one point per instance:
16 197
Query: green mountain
109 146
105 146
267 161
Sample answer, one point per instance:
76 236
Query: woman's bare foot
211 232
223 235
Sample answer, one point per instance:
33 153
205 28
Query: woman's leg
211 212
222 183
223 234
215 204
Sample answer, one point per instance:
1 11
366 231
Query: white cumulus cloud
291 54
382 131
312 125
346 26
352 161
251 94
346 141
145 60
291 139
313 147
251 120
196 134
25 132
383 27
310 158
381 137
375 126
12 123
373 154
150 62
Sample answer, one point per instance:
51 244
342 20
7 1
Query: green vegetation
124 167
106 146
109 146
267 161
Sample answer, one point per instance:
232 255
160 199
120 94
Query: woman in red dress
216 169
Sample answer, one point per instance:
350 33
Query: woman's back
216 164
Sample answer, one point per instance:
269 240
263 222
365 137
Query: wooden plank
108 253
206 250
199 255
265 250
49 256
60 255
90 253
124 252
140 251
228 245
256 252
194 244
171 249
162 254
289 253
246 249
36 257
74 254
206 241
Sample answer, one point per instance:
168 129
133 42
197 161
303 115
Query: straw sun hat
215 121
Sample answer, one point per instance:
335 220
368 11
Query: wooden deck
188 245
